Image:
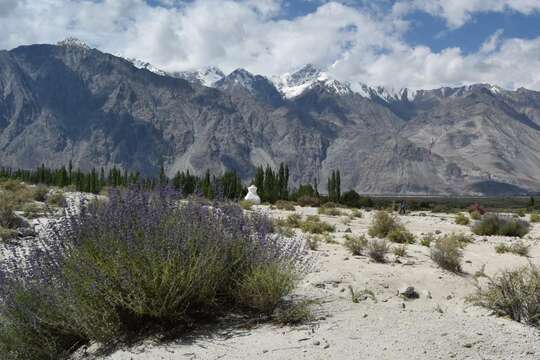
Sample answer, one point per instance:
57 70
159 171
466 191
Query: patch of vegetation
313 241
382 224
285 205
401 235
40 193
427 239
330 211
377 249
501 225
517 248
142 262
246 204
475 215
513 293
355 213
446 252
535 217
400 250
314 225
361 295
7 234
355 243
308 201
57 199
521 213
294 313
462 219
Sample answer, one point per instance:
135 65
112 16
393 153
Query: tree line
272 184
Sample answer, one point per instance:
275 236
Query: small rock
468 261
364 315
348 230
467 345
408 292
403 305
427 294
437 232
326 346
449 297
316 342
346 258
265 351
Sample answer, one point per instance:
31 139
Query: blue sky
398 43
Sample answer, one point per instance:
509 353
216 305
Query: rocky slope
69 102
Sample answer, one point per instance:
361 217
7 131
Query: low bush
361 295
355 243
462 219
400 250
7 234
521 212
57 198
382 224
285 205
355 213
330 211
427 239
315 226
517 248
401 235
142 261
475 215
535 217
446 252
501 225
313 242
308 201
513 293
377 249
294 313
294 220
8 219
40 193
246 204
476 207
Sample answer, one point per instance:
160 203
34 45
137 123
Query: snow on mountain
73 42
146 65
239 77
206 76
308 77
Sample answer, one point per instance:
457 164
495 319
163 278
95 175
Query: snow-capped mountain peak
206 76
294 84
73 42
146 65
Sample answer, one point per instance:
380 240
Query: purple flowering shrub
142 260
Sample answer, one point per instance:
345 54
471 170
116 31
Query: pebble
316 342
364 315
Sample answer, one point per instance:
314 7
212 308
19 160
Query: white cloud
458 12
356 44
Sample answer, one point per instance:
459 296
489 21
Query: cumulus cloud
458 12
355 44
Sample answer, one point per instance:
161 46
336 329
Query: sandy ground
441 325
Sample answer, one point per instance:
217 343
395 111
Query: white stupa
252 195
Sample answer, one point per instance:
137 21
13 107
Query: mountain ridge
70 102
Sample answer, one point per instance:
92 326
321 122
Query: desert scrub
308 201
535 217
377 249
294 220
330 211
294 312
361 295
427 239
400 250
401 235
517 248
355 243
313 242
314 225
355 213
7 234
285 205
246 204
462 219
57 199
475 215
39 193
142 261
501 225
446 252
382 224
513 293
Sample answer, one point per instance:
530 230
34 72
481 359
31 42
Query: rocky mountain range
70 102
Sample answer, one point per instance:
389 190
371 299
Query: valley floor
440 324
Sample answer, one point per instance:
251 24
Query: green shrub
400 250
7 234
517 248
285 205
330 205
294 220
462 219
265 285
475 215
377 249
57 198
330 211
382 224
361 295
32 210
313 241
513 293
308 201
316 226
535 217
446 252
521 212
355 213
401 235
8 219
427 239
501 225
355 243
40 193
141 262
246 204
294 313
